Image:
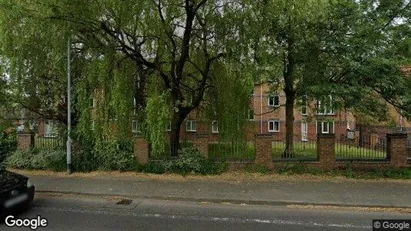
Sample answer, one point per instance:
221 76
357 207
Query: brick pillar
25 140
201 142
397 149
141 150
326 150
263 149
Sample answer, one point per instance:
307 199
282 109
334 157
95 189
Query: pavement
357 193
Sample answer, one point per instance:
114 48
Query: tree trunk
289 125
289 64
177 120
175 136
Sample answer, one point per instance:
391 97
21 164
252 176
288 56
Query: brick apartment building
267 116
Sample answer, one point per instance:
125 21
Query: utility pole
69 168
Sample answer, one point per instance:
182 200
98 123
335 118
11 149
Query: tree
170 46
34 59
348 49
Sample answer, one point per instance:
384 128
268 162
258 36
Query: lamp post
69 167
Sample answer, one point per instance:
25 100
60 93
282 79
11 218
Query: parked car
16 192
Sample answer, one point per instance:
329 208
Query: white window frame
94 102
304 132
134 106
135 128
273 99
326 110
273 122
214 123
325 125
249 113
328 126
304 106
168 127
49 129
191 126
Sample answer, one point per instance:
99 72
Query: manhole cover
124 202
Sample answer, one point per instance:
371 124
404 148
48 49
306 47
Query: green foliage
157 118
258 169
156 167
231 152
54 160
108 156
20 159
85 160
150 48
115 156
190 160
8 144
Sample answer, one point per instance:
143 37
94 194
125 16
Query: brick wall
141 150
326 150
201 142
263 144
397 149
25 141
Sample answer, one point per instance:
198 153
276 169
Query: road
70 212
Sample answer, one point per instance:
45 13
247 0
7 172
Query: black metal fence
302 151
231 151
363 148
48 142
167 150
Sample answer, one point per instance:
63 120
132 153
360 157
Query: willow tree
171 44
34 57
340 48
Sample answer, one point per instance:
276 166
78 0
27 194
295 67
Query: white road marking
205 218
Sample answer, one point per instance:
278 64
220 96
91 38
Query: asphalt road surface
70 212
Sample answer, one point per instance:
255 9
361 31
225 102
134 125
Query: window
92 102
134 106
325 127
274 101
135 127
50 129
304 106
191 126
214 126
325 107
251 114
273 126
168 126
304 131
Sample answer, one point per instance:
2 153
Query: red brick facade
141 150
25 141
326 150
397 149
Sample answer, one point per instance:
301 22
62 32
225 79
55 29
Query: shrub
190 160
84 159
116 156
56 160
20 159
156 167
8 144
